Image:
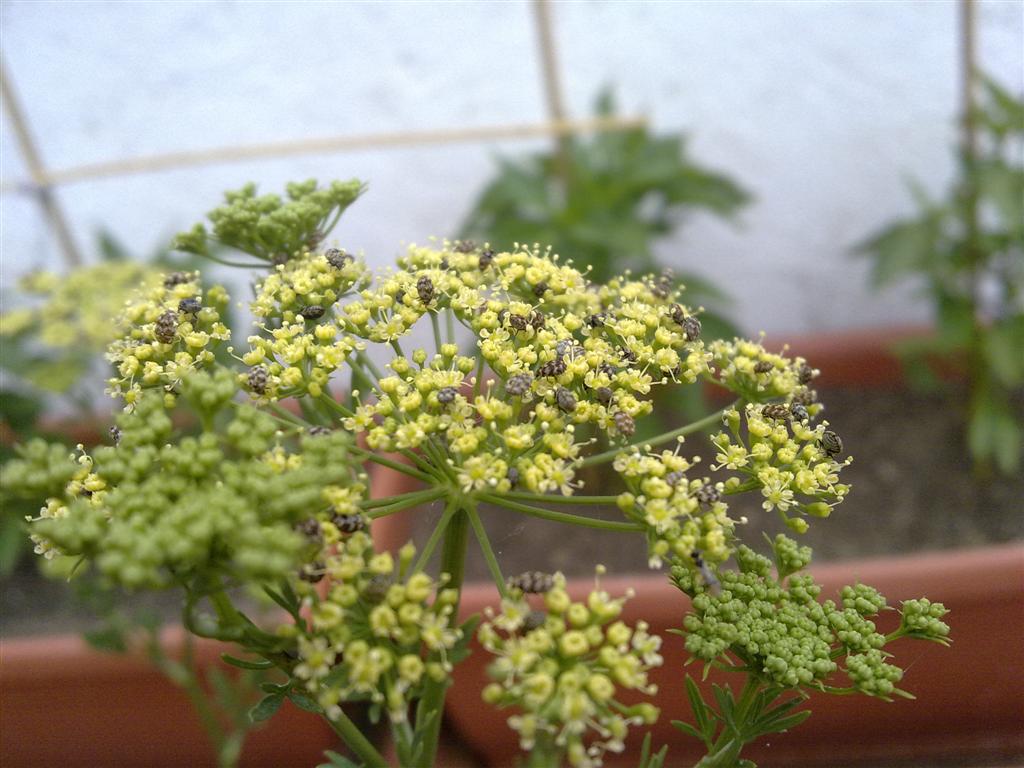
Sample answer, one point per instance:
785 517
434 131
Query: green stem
437 330
688 429
550 498
398 466
435 537
560 517
430 710
428 496
355 739
488 551
449 322
478 383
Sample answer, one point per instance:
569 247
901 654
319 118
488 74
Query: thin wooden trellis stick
170 160
47 201
552 85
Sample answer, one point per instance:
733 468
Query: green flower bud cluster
776 625
563 669
168 331
150 512
39 469
78 309
269 227
680 514
379 633
792 463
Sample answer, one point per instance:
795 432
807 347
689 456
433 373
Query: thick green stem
560 517
355 739
439 530
687 429
430 710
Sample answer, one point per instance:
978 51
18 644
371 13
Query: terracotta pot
67 704
969 695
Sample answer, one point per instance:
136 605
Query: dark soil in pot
913 490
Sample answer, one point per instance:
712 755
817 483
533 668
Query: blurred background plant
606 201
52 364
967 249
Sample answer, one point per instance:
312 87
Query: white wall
820 108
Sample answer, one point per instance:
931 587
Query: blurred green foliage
53 343
606 203
967 249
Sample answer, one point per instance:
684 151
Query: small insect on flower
517 323
446 395
115 435
425 289
776 411
465 246
536 320
166 327
534 620
566 400
540 289
176 278
708 494
377 588
674 478
603 395
513 476
190 306
312 572
532 582
281 259
624 423
805 374
552 368
711 582
312 312
485 260
596 320
337 258
831 443
763 366
309 528
349 523
319 431
691 327
519 384
799 412
258 379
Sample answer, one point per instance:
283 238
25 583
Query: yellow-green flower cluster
565 353
563 667
168 331
380 632
79 308
755 374
681 515
793 463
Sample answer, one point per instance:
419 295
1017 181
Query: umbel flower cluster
564 663
233 468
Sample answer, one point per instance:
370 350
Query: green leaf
689 730
1003 347
109 639
705 724
334 760
245 664
266 708
304 701
902 249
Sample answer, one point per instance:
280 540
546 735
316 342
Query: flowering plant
266 487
